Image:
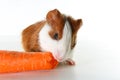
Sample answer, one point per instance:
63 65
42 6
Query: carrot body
13 61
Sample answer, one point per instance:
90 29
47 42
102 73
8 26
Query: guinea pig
57 34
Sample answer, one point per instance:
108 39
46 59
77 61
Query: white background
97 53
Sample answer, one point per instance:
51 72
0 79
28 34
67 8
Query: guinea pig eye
55 36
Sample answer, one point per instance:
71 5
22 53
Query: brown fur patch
75 25
56 20
30 37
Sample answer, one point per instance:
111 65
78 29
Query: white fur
61 48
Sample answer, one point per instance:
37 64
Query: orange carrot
14 61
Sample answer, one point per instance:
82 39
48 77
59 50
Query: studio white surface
97 53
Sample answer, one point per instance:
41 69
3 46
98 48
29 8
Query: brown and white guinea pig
56 34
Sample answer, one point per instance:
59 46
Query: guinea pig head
60 38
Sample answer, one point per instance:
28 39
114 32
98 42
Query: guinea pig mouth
58 58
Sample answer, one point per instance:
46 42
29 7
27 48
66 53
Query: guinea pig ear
75 24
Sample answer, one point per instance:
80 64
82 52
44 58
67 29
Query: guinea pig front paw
69 62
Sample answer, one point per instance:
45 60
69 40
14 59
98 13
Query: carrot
14 61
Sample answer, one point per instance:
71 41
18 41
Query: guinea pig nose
56 36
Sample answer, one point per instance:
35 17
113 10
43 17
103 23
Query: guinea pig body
56 34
